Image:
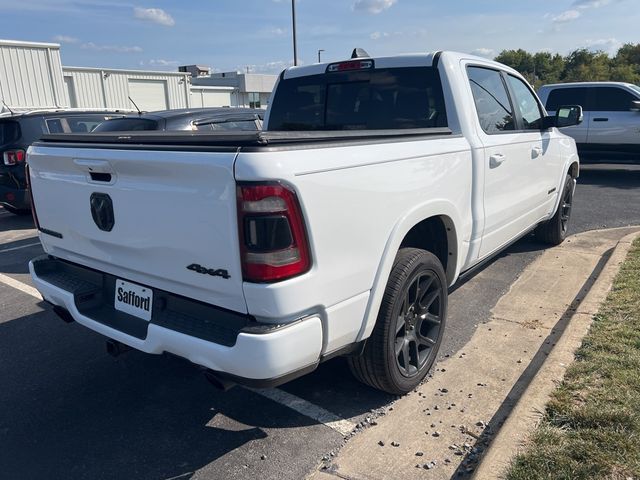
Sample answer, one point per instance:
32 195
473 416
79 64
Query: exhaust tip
220 383
115 348
63 313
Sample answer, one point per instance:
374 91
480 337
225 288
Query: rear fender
457 251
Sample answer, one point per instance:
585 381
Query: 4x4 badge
214 272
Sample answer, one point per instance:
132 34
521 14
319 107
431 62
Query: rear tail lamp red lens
13 157
273 238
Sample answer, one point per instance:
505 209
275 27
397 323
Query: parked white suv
337 231
611 127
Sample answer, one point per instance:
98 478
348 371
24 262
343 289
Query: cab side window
611 99
559 97
527 103
494 109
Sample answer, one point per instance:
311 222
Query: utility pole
295 46
319 52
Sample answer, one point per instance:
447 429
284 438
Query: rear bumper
269 357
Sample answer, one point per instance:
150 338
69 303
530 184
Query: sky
256 35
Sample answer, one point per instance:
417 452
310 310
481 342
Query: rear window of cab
372 99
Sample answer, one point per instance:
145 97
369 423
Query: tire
17 211
554 230
406 338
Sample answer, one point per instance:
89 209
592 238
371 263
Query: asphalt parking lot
69 410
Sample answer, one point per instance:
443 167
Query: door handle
496 160
600 119
536 152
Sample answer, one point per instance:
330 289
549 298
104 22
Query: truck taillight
13 157
273 238
33 206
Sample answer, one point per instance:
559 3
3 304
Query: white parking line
23 287
307 409
18 248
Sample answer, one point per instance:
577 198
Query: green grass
591 426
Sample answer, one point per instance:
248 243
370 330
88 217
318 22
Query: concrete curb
528 411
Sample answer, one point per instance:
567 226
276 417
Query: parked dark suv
207 119
21 129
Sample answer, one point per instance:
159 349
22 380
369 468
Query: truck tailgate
171 210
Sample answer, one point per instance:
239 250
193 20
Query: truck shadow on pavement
71 411
9 221
611 176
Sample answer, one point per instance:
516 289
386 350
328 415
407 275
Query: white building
32 76
249 89
111 88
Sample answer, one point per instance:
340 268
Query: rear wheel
554 230
410 325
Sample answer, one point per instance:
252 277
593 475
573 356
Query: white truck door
546 157
613 124
511 194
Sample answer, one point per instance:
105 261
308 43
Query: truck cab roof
396 61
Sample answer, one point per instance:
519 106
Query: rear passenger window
492 102
9 132
527 103
611 99
559 97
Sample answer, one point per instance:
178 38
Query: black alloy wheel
418 323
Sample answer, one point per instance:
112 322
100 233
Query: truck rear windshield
376 99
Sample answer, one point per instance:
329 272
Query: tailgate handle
93 166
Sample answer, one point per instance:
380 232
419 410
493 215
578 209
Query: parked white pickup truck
337 231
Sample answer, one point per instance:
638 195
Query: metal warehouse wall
107 88
31 75
211 96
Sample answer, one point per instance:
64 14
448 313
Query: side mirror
635 106
568 116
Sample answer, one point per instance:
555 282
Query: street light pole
319 52
295 46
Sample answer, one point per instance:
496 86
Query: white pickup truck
376 184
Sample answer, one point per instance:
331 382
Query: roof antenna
359 53
134 104
7 107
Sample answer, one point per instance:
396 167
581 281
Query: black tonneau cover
238 139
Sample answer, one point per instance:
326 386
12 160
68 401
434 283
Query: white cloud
566 16
155 15
277 31
378 35
373 6
65 39
484 52
590 3
163 63
111 48
608 45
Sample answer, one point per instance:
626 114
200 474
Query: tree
583 65
519 60
580 65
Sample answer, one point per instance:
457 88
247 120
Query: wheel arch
442 223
